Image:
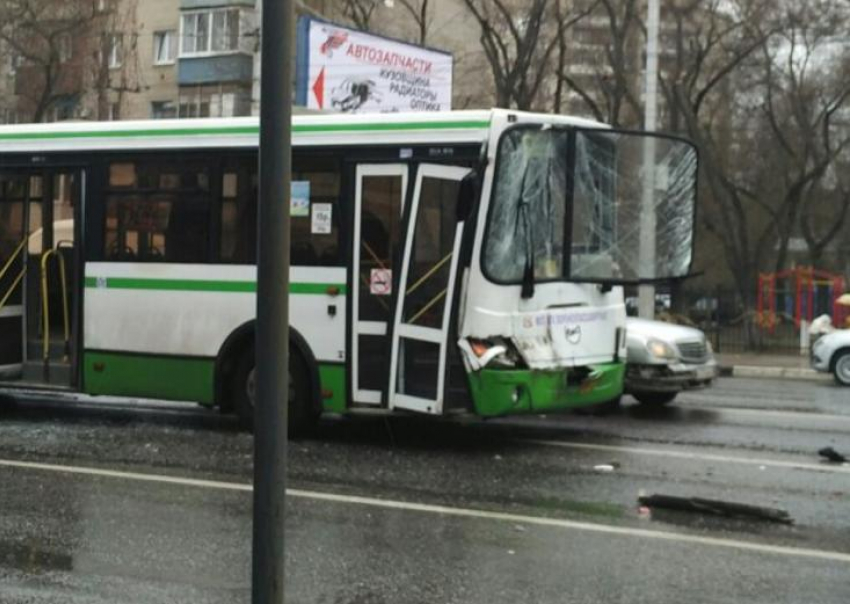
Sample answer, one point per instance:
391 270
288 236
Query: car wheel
841 368
654 399
302 416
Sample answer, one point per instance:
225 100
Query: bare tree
709 93
360 12
113 65
611 92
519 40
45 35
71 53
807 97
419 12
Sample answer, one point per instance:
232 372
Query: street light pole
272 332
646 293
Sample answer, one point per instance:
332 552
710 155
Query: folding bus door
426 291
379 206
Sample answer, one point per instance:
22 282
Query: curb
788 373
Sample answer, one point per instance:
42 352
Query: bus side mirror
467 196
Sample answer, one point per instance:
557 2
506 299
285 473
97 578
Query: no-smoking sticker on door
381 282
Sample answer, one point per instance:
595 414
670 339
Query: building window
116 51
214 31
163 110
225 31
164 47
194 108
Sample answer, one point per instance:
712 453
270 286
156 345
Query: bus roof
446 127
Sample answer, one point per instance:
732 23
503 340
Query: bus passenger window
157 213
239 190
310 245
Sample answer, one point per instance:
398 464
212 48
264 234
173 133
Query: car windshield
623 206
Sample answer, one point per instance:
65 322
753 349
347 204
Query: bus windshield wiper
523 209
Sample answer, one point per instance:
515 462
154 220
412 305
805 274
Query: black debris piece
713 507
832 455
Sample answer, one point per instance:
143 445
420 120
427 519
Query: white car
664 359
831 354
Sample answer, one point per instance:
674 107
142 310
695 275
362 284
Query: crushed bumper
503 392
669 378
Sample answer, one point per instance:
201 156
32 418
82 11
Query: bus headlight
661 350
493 351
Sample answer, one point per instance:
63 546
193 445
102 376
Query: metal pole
646 293
272 302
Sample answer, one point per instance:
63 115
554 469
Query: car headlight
661 350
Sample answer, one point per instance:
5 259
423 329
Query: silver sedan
664 359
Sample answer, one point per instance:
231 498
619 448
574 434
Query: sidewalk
790 366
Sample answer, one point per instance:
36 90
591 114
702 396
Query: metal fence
733 325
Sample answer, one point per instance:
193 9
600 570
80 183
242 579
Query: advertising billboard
346 70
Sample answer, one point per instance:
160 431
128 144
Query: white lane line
189 482
797 415
799 552
776 463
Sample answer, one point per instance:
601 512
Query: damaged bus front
568 214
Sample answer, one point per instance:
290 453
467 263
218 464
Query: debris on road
604 467
832 455
716 508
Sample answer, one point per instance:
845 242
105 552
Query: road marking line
782 550
799 415
841 469
190 482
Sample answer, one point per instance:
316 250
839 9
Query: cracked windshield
424 301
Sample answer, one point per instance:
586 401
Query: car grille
693 352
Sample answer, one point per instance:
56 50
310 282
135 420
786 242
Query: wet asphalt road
151 503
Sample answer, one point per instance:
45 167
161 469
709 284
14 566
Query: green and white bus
460 262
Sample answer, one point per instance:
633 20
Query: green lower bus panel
504 392
173 378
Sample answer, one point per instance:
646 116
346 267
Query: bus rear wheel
302 414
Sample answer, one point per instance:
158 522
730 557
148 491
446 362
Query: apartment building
195 58
129 59
200 58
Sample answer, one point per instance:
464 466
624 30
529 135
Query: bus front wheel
654 399
302 416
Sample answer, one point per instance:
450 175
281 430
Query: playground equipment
801 293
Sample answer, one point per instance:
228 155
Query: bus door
423 305
52 280
14 196
379 205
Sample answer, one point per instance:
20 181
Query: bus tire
654 399
608 407
302 416
7 403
